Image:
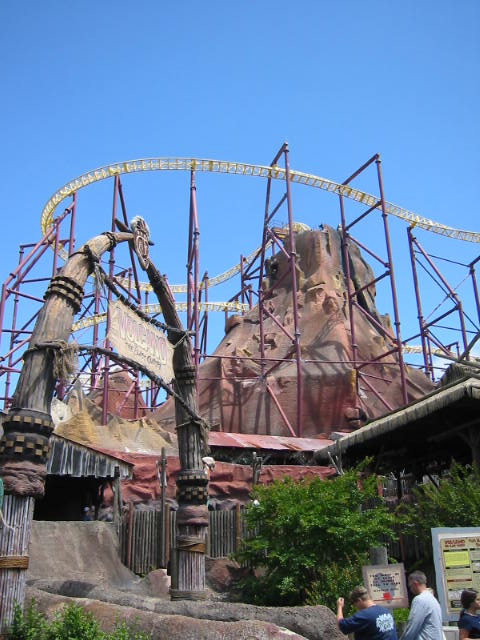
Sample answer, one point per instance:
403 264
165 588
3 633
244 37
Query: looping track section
243 169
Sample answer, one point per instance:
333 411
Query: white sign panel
386 584
456 553
140 341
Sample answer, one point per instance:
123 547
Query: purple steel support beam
281 411
423 337
13 335
372 282
242 281
261 294
275 209
95 375
21 277
473 276
130 248
451 292
293 267
56 248
27 296
276 241
135 400
375 322
375 392
71 240
127 395
392 284
350 293
193 290
362 168
203 340
279 325
111 263
41 244
291 255
367 250
364 215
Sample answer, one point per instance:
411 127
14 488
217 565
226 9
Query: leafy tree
454 502
305 534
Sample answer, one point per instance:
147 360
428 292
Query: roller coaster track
98 318
240 168
222 277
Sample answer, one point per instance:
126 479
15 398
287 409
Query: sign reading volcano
140 341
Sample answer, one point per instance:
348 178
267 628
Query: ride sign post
188 568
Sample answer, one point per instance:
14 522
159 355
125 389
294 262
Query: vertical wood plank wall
141 537
141 547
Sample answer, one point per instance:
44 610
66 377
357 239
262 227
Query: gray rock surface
173 627
79 562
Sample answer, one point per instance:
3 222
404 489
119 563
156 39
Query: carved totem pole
188 569
28 424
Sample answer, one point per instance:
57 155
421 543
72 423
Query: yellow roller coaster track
234 306
240 168
222 277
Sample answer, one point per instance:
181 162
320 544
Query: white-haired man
425 619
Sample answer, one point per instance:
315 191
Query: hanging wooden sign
140 341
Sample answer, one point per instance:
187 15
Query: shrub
72 623
307 537
453 502
336 580
28 626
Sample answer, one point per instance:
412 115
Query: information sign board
386 584
456 553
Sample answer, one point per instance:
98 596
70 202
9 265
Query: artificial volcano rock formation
233 395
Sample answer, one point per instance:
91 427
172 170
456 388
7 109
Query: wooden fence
143 548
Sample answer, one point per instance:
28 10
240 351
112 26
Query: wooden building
422 438
76 477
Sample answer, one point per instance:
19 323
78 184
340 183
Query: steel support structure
95 366
193 288
429 339
362 368
256 271
60 240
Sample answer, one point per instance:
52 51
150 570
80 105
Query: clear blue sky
86 84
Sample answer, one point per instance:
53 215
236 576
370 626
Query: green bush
336 580
307 538
452 502
70 624
400 615
28 626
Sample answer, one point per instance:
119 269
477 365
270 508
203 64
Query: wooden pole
28 424
163 487
192 482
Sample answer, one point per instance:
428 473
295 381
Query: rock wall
233 395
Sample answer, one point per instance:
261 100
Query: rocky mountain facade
233 395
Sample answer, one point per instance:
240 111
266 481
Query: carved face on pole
141 237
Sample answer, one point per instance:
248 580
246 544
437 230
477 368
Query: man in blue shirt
371 622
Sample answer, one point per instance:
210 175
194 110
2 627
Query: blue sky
86 84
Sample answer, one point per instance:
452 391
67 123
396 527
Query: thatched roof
431 430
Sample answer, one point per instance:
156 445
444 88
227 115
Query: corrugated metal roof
68 458
272 443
